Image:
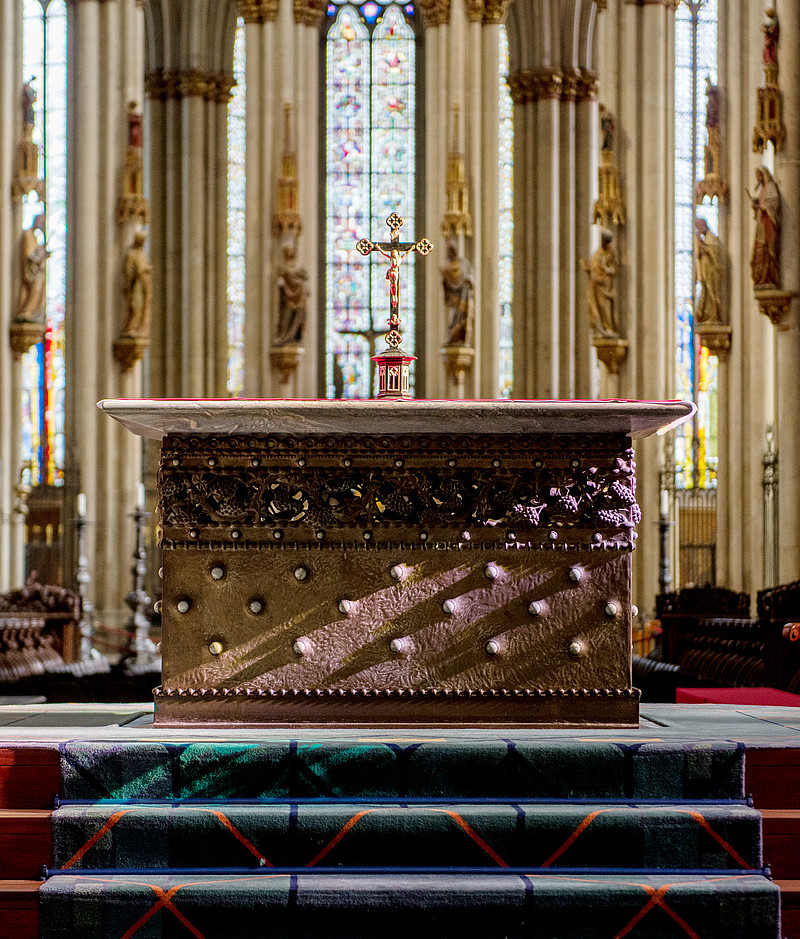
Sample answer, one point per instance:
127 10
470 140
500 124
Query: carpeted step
422 906
456 767
685 836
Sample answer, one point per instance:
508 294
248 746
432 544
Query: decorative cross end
365 246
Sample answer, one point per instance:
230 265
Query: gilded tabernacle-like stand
374 563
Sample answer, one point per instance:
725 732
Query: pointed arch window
505 251
696 371
370 147
44 27
237 129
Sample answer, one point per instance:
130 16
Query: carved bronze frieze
522 491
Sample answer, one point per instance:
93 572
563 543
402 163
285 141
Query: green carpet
532 836
417 906
448 768
440 835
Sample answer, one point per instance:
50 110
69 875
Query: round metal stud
277 535
536 608
345 606
495 463
451 462
491 572
236 534
320 535
192 533
158 606
301 462
215 648
256 606
348 462
634 610
161 573
575 574
423 536
449 606
158 648
492 647
576 648
397 572
212 461
301 573
511 536
538 464
367 535
217 572
397 645
554 536
176 462
301 646
612 609
465 536
255 461
398 463
183 606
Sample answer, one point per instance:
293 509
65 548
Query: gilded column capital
309 12
437 12
494 11
570 83
672 4
588 85
601 4
531 85
475 11
165 84
258 11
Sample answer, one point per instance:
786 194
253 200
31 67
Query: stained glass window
696 371
236 217
370 142
506 234
43 370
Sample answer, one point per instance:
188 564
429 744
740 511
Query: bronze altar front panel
388 579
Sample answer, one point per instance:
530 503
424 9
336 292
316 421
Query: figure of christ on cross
395 250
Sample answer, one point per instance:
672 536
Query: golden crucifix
395 250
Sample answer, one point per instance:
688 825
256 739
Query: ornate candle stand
138 601
83 578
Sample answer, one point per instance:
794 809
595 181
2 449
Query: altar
366 562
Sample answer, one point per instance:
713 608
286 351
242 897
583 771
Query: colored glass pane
237 128
43 367
695 370
506 215
370 141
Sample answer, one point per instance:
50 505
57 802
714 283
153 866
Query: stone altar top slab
155 418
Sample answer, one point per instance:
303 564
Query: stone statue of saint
28 101
600 292
712 104
33 268
138 274
135 118
771 30
606 129
765 263
458 282
708 273
292 283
